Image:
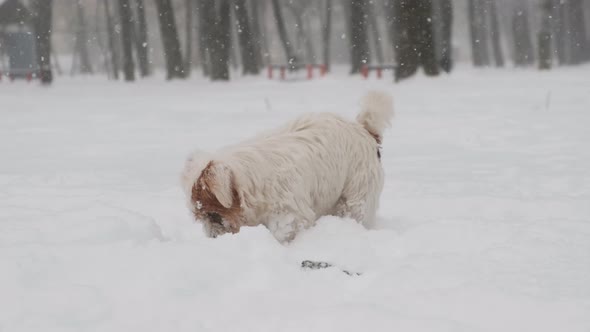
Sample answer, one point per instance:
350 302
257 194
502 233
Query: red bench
27 75
283 70
366 69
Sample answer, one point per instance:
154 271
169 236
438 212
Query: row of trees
419 33
560 35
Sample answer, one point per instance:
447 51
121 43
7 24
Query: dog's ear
195 163
220 183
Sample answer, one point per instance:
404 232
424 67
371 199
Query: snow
484 222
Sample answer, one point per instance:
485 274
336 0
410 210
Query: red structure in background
29 77
308 67
366 69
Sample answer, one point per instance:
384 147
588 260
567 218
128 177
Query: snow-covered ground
484 222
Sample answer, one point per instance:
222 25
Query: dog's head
212 194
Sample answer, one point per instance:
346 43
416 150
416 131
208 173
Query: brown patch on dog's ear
215 189
221 186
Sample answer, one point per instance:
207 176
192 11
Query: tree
298 11
495 33
217 14
413 38
141 43
577 31
234 48
170 41
203 34
258 35
127 39
188 20
81 47
287 46
559 18
359 45
42 11
326 33
544 36
478 33
445 44
523 46
247 46
390 23
375 32
113 51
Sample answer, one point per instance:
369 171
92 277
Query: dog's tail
376 113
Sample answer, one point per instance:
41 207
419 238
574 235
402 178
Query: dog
319 164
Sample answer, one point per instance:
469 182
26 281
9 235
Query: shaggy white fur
319 164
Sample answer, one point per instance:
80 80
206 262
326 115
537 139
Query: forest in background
129 39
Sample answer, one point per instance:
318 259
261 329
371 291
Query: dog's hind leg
360 200
356 208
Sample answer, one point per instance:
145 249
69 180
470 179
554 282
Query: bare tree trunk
495 33
305 25
523 46
169 34
474 34
389 7
375 32
218 37
188 56
445 40
56 64
234 48
104 63
82 40
561 38
359 45
414 38
403 40
245 36
42 10
303 41
425 38
256 32
141 40
577 31
477 29
203 36
586 23
127 39
326 34
544 37
264 32
113 51
287 46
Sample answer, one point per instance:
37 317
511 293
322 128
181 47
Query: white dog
317 165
